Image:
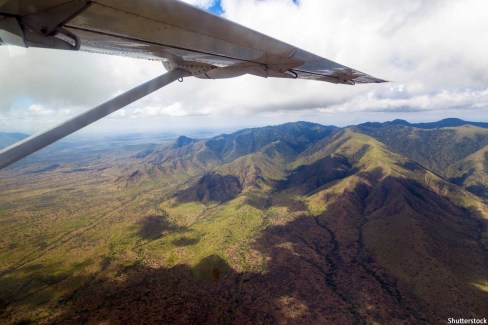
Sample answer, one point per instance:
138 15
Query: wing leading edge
174 32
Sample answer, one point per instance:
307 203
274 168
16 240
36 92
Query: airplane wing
174 32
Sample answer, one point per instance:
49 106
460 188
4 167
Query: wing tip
372 80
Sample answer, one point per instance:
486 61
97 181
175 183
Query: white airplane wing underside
167 30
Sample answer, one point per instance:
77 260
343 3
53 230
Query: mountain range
291 224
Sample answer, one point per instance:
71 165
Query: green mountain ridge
446 151
295 224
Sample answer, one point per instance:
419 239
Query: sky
434 52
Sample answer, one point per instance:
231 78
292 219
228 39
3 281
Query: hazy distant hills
448 122
296 224
7 139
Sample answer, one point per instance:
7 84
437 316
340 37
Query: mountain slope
472 173
436 149
397 224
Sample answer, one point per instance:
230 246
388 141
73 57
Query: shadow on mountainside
308 178
211 187
154 226
390 252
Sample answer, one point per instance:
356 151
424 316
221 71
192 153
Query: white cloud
433 51
39 110
175 109
121 113
441 101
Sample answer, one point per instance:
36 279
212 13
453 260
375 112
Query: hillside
454 153
472 173
292 224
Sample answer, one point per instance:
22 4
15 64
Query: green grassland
63 232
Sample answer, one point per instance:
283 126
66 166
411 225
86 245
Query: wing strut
38 141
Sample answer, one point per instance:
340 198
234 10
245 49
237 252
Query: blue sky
216 8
